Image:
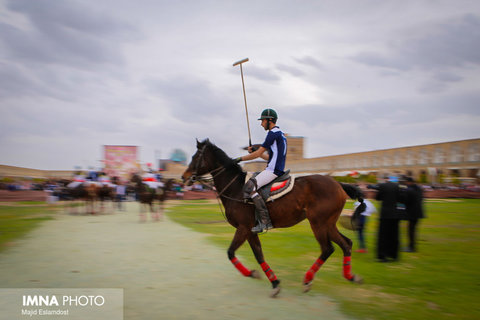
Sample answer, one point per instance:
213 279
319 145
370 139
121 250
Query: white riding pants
264 178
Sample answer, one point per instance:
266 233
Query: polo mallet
245 98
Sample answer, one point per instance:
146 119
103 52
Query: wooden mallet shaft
244 98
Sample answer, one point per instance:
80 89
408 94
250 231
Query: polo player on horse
274 150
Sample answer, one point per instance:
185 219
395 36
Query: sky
347 75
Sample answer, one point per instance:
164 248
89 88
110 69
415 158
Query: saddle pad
278 185
283 188
277 189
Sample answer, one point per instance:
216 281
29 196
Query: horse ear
200 144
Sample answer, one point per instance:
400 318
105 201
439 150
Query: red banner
121 161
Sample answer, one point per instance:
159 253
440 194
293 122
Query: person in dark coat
388 230
414 209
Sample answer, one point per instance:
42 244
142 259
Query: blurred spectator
120 195
388 233
178 188
362 223
92 175
197 187
414 209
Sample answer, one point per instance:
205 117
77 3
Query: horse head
209 159
168 184
202 162
135 178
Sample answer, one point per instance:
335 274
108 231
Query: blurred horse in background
106 193
86 192
90 192
147 196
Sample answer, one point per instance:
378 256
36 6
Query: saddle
275 189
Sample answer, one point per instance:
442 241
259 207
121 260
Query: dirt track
22 195
31 195
167 271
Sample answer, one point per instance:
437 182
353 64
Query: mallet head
240 62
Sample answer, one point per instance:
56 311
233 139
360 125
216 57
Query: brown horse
320 199
104 193
147 196
87 193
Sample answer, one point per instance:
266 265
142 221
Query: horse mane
222 157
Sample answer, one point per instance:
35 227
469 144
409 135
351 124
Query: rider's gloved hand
253 148
237 160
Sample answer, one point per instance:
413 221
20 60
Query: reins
220 194
215 172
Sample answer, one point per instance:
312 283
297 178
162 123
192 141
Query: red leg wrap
347 268
268 271
240 267
313 269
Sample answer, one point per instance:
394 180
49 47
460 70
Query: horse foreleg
142 212
238 239
113 204
256 246
327 249
160 210
153 212
72 208
89 206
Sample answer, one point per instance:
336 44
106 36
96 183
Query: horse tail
355 193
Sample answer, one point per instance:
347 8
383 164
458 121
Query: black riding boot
261 215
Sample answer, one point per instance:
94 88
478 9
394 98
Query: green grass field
440 281
17 219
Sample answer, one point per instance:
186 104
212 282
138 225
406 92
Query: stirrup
259 228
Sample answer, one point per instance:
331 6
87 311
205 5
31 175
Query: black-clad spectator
414 209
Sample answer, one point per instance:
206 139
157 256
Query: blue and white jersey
276 145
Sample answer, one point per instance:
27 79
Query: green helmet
269 114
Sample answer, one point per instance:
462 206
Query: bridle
194 176
214 173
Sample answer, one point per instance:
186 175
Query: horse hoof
275 292
255 274
357 279
307 287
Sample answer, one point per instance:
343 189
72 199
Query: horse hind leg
327 249
161 208
346 245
